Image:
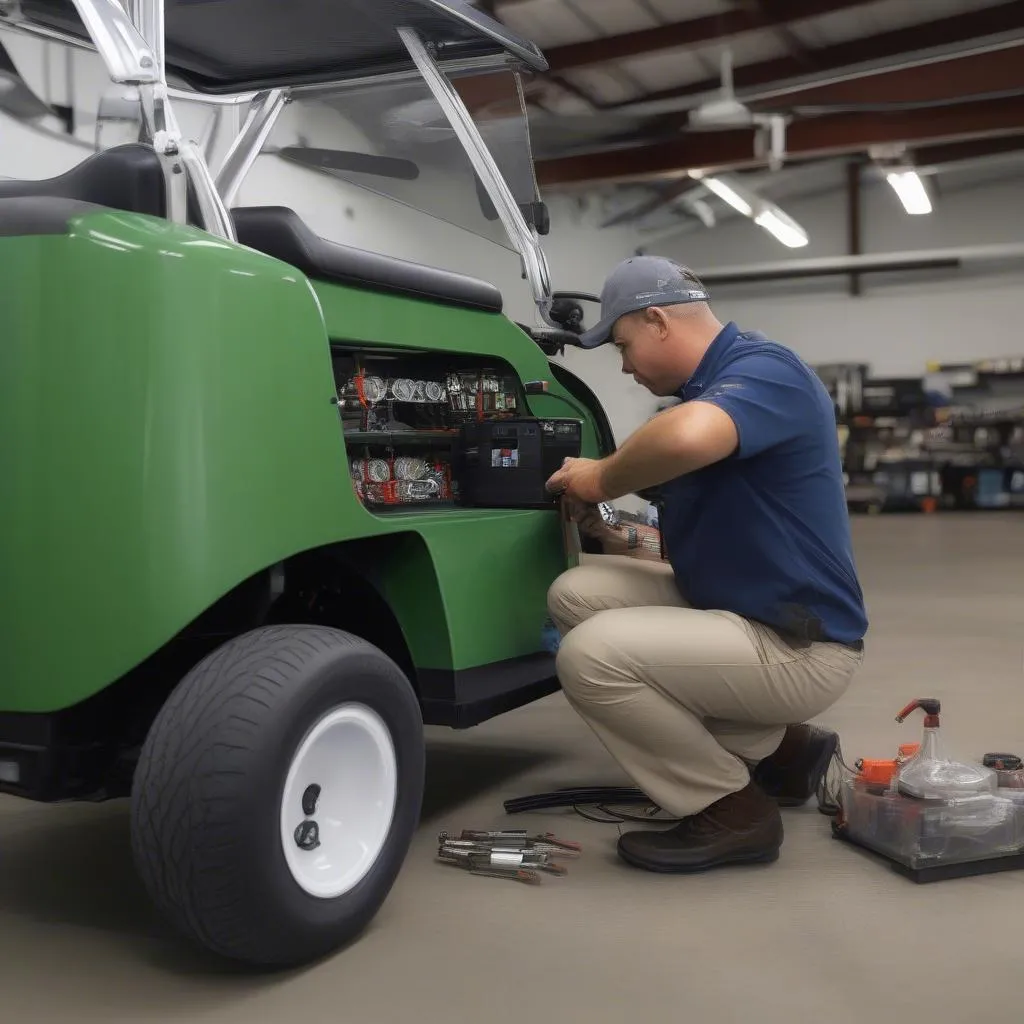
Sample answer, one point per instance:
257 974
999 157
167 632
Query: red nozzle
929 705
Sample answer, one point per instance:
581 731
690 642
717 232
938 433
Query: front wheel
277 794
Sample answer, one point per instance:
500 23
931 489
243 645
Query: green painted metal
492 569
168 430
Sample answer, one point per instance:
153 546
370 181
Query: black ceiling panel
236 45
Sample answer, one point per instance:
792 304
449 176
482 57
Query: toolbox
933 817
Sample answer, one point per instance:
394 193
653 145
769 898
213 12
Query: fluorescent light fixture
727 193
763 213
909 187
784 228
702 210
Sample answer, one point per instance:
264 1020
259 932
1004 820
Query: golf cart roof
225 46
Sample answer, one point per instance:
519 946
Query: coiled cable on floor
572 795
650 813
605 804
591 801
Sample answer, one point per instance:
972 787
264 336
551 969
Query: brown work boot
791 775
742 828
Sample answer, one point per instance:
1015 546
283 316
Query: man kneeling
698 672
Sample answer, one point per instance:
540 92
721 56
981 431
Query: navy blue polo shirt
765 533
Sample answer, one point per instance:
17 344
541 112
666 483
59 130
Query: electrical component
507 463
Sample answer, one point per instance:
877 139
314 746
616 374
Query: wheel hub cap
339 800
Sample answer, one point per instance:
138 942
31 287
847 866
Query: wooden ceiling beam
680 35
974 149
844 57
812 138
959 78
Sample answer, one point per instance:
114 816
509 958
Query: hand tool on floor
515 855
545 842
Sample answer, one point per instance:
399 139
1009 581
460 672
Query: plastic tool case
931 816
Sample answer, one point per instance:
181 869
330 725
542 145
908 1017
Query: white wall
900 321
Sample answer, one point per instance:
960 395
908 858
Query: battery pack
506 463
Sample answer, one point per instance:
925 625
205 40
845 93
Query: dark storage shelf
380 508
400 438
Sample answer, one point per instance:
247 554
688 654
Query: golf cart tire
211 818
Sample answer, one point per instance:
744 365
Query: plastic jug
931 775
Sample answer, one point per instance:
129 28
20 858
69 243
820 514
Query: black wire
617 817
610 820
576 795
603 799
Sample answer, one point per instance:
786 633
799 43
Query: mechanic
699 673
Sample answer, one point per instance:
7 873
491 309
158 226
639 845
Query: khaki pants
682 699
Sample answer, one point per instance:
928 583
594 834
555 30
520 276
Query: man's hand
634 539
579 479
589 521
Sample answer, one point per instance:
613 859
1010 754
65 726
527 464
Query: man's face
643 340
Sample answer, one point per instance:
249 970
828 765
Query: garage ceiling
942 78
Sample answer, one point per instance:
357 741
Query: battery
506 463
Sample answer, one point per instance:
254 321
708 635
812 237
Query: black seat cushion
131 178
281 233
125 178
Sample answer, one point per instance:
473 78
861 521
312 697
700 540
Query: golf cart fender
168 430
467 589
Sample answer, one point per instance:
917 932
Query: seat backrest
126 177
281 233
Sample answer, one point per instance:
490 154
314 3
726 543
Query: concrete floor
827 933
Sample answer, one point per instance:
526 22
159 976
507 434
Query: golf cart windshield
398 143
423 80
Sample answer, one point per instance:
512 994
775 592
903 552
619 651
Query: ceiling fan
725 112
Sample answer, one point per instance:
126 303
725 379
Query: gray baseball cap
638 283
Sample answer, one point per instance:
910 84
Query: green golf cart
272 503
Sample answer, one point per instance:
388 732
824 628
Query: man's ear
658 319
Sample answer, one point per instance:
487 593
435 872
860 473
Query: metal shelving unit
902 451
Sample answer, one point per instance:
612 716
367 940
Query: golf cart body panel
168 380
175 455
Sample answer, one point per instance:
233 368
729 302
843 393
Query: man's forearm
679 440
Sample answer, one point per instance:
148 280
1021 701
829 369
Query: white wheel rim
349 754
